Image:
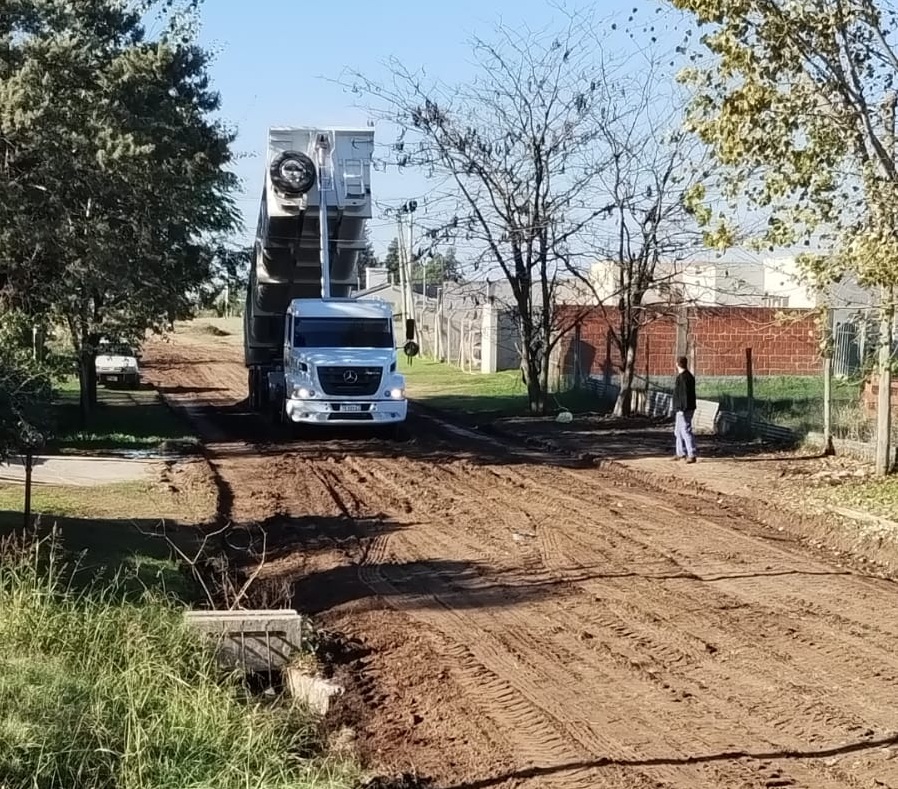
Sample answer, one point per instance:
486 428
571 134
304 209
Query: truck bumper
337 412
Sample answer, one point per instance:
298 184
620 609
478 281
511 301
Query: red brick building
714 338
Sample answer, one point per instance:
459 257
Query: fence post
828 448
648 368
29 466
750 389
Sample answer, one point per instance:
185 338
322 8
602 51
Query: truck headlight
396 394
303 392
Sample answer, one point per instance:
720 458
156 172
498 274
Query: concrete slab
254 640
77 471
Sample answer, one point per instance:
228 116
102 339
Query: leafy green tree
798 106
366 258
391 260
438 268
25 386
112 173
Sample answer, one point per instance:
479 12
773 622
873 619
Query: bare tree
515 152
634 258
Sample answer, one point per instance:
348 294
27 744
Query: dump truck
314 354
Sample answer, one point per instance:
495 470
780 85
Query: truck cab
340 363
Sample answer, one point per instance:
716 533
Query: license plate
354 407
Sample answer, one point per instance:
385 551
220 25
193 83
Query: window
342 333
777 302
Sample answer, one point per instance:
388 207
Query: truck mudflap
341 412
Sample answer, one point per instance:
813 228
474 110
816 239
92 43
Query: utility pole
409 208
886 324
402 283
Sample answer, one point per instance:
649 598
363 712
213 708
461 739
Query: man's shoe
677 457
690 460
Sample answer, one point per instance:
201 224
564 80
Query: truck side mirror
410 329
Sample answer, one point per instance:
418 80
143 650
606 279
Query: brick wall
715 338
871 396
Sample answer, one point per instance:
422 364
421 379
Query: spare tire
292 172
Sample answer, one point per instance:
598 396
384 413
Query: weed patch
98 690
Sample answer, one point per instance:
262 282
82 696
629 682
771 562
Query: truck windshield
342 333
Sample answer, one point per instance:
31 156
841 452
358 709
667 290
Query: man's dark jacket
684 392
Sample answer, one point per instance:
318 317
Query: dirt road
522 622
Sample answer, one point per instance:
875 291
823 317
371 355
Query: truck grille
350 381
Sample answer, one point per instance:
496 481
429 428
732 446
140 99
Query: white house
737 279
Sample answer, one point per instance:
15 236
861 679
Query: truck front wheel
396 432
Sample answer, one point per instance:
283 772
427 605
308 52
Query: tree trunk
624 405
87 377
85 367
531 366
544 380
536 393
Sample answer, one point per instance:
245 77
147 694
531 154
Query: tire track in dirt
816 711
667 654
616 636
563 658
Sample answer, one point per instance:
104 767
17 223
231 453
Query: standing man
684 410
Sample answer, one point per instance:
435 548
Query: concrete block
705 419
312 691
260 640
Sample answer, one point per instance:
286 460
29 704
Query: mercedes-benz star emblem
350 377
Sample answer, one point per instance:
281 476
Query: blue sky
273 60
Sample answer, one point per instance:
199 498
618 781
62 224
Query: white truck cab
340 363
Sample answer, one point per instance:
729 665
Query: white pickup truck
117 363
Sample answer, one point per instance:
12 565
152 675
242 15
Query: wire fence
790 400
450 333
467 332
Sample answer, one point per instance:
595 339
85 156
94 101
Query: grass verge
447 387
791 401
118 525
100 691
122 420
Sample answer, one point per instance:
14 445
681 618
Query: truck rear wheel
252 397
